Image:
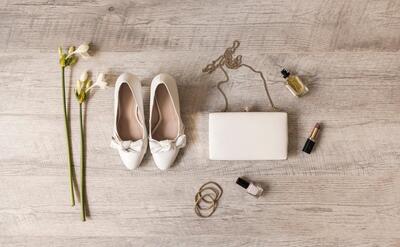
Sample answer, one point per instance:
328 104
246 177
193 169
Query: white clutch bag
245 135
248 136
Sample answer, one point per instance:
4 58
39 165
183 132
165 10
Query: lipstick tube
309 145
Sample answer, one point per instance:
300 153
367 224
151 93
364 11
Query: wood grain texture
347 193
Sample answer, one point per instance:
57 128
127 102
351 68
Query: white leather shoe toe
130 133
165 152
165 160
165 125
131 161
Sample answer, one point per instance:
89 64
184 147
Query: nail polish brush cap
242 183
285 73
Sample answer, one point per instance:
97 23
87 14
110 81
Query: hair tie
210 199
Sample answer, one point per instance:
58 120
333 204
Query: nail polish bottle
251 188
294 84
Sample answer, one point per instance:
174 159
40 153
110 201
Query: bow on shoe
167 145
127 146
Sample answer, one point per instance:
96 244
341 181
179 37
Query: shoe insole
128 125
165 120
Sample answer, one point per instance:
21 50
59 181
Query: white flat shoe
130 133
165 125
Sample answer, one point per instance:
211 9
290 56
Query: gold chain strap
231 62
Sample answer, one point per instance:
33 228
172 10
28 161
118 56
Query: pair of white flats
166 131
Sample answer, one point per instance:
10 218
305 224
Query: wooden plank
204 240
273 26
342 150
332 77
303 208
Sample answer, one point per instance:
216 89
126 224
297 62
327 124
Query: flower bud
78 86
71 50
62 61
84 76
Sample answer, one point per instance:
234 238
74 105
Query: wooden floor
346 193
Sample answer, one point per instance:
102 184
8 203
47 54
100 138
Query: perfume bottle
251 188
294 84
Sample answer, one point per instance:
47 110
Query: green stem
83 161
68 134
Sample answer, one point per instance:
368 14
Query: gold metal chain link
231 62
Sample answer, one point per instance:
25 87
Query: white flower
100 82
82 50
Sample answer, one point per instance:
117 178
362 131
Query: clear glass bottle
294 84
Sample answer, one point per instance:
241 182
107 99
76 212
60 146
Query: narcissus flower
82 50
100 82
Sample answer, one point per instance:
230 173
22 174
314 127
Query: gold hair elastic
210 199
